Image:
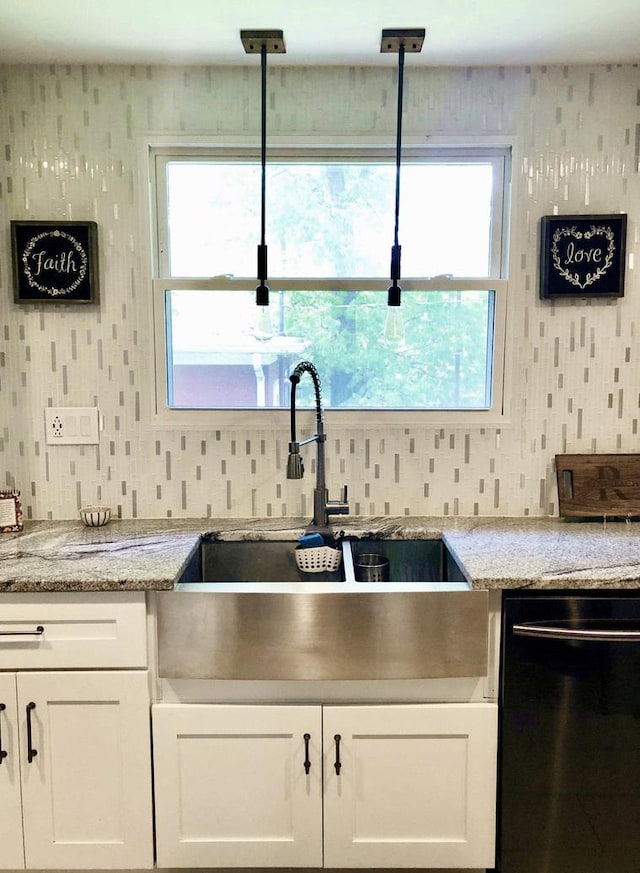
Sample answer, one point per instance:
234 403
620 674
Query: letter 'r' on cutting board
598 485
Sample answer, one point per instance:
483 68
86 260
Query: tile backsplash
71 147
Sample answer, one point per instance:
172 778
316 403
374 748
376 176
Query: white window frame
159 152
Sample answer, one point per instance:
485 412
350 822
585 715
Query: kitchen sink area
257 656
248 612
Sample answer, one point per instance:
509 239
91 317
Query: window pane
223 354
329 219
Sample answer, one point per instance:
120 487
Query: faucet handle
338 507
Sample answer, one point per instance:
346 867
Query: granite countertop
129 555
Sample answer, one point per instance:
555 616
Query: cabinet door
86 793
231 788
11 847
416 786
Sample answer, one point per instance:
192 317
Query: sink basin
273 561
260 561
411 560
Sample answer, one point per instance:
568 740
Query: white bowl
95 516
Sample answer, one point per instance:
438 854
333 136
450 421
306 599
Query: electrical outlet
71 425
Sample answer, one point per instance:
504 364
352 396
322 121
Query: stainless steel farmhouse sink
243 610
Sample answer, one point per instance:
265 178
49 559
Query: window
329 234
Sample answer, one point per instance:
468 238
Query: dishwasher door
569 779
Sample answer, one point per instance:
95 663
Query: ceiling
195 32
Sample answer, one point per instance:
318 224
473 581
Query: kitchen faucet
322 506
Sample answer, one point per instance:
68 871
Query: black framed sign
582 255
55 261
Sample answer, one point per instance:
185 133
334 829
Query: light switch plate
71 425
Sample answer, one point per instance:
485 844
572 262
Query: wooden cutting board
598 485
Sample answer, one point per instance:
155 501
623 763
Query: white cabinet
75 768
414 785
78 759
231 785
67 631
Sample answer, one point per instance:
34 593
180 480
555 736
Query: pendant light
400 41
263 42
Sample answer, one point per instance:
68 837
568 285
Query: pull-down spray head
295 466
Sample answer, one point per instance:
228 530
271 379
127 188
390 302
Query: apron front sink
245 611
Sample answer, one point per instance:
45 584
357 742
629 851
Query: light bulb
264 327
394 325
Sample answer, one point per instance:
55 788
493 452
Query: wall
70 148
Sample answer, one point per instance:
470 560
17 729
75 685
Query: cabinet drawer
39 631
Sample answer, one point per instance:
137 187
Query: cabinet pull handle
337 764
3 753
39 630
31 752
307 762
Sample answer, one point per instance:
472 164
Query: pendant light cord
262 291
394 290
399 139
263 144
265 41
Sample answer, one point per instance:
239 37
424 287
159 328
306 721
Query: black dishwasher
569 775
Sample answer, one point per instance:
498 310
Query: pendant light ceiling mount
272 40
399 41
411 39
263 42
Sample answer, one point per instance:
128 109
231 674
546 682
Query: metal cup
371 568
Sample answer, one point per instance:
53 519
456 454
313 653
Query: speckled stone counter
122 556
546 553
150 554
